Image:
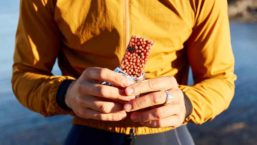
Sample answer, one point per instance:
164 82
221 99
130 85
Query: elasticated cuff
61 93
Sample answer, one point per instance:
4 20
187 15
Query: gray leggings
82 135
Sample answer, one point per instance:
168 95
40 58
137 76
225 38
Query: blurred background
236 126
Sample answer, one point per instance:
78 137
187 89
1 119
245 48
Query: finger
106 75
92 114
104 91
99 105
145 101
156 113
171 121
151 99
157 84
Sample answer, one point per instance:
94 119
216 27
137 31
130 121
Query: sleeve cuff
61 92
188 104
189 107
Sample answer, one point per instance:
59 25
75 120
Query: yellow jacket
84 33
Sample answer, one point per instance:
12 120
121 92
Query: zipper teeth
126 41
126 23
132 136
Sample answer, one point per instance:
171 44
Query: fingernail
129 91
124 115
154 124
127 107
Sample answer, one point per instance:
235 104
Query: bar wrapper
135 58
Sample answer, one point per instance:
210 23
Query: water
8 22
18 125
244 41
237 125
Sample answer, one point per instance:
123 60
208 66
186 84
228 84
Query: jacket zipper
126 22
132 136
126 41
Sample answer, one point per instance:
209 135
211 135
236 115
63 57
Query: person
89 39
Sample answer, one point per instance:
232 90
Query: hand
158 113
88 98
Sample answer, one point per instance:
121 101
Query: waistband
87 135
124 126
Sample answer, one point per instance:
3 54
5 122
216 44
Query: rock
243 10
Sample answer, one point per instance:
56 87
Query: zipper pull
132 136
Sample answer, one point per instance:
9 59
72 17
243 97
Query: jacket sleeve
212 62
36 49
